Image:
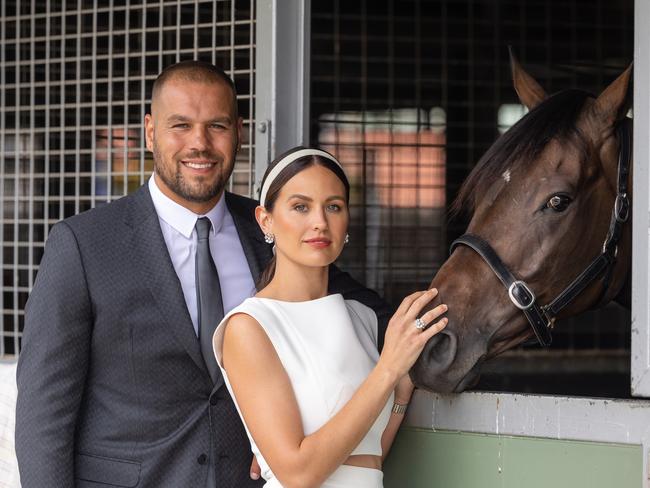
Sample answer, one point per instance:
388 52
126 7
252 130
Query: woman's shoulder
250 303
363 317
248 315
252 309
363 312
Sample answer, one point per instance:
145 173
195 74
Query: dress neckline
315 300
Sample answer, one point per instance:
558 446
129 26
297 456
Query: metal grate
387 75
75 77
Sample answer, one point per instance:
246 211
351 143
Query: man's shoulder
106 215
240 202
240 205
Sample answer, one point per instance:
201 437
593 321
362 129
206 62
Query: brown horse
541 201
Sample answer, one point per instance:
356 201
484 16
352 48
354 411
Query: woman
302 366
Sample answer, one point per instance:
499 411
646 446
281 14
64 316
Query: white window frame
640 350
282 94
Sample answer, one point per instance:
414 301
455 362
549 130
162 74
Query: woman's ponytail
267 275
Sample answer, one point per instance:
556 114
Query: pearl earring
347 239
269 238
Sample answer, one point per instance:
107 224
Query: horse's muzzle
434 361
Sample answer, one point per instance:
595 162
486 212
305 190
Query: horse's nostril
440 351
432 368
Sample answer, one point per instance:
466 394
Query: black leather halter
541 318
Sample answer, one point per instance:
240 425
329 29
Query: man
116 386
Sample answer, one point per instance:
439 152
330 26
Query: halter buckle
622 207
521 296
606 245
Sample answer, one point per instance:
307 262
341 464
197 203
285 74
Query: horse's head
542 197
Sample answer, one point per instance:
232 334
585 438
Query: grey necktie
208 295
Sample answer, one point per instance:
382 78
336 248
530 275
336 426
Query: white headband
286 161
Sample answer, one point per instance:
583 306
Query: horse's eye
559 203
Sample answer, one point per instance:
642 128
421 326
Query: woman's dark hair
285 175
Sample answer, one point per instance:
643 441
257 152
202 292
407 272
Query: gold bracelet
399 409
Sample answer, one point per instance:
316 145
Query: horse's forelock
555 118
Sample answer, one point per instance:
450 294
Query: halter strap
520 294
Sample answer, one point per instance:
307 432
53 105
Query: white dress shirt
177 225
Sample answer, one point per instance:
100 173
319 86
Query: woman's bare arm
403 393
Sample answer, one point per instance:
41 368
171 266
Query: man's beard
201 191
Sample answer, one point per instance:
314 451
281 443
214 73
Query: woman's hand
404 341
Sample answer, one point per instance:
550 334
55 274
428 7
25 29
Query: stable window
410 96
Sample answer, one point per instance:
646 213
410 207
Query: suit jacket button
214 400
202 459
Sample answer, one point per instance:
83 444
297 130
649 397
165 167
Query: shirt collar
181 218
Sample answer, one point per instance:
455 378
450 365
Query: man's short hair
193 71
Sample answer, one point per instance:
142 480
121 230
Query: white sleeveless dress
328 347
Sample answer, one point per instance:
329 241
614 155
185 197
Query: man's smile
199 164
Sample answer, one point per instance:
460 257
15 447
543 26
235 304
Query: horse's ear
614 102
529 91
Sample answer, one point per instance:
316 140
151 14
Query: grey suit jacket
112 387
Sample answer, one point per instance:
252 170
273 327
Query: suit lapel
158 274
258 253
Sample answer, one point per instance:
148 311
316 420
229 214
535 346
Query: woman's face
310 218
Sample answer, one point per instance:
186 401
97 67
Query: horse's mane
554 118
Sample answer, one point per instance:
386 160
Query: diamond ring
419 324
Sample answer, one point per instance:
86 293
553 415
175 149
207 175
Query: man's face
193 132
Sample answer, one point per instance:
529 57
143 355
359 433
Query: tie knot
203 225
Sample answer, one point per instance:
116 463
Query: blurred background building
408 94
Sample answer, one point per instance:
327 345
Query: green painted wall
424 458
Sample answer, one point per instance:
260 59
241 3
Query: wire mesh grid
75 78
